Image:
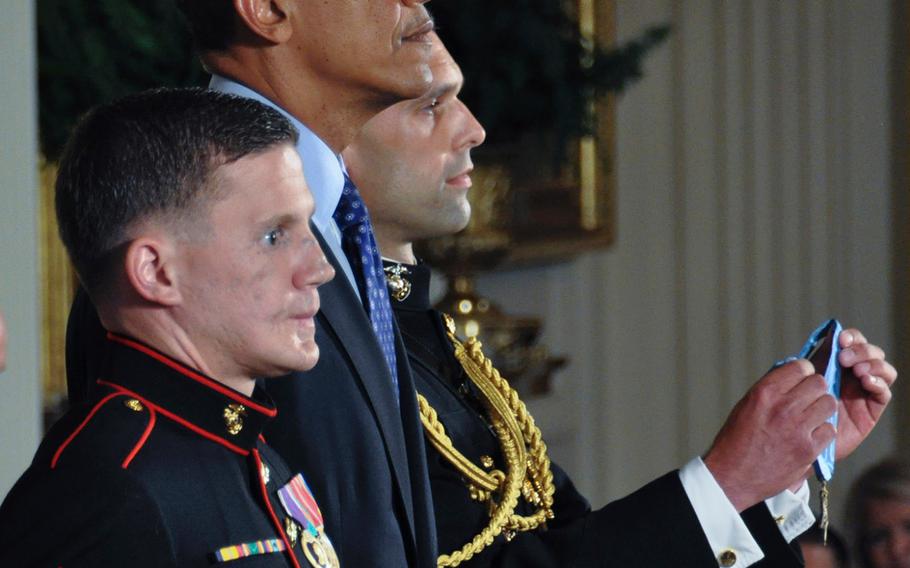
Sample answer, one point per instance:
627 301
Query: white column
20 404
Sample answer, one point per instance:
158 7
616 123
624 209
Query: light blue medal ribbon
829 368
822 349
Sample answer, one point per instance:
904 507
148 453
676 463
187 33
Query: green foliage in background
93 51
525 65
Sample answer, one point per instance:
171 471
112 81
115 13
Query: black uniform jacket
161 468
362 449
655 526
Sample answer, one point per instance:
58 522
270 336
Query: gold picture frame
554 213
58 287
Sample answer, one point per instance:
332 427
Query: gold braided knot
527 474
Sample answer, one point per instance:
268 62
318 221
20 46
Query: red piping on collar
215 385
78 429
182 421
268 506
145 436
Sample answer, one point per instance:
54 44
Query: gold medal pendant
823 497
319 550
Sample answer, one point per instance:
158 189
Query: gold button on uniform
133 405
727 558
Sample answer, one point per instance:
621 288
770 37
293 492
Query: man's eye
431 106
273 237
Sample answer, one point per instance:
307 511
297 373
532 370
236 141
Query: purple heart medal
299 503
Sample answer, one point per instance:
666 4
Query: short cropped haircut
151 156
213 23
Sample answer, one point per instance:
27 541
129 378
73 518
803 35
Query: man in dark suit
329 67
734 508
205 271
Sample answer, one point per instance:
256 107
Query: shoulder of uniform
109 431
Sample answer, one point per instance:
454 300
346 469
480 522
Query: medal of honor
821 350
299 504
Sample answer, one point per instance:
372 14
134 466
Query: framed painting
59 285
571 207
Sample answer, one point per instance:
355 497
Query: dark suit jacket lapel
342 311
422 505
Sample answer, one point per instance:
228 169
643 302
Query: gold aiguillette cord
527 472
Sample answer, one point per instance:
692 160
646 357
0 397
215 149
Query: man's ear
151 270
267 19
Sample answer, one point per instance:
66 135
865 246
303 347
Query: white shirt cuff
727 534
792 511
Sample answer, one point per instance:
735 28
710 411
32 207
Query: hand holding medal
822 350
863 392
785 422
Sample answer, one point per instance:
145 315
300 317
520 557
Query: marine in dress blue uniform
165 467
412 164
186 215
619 534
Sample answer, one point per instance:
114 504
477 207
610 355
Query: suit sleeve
93 519
654 526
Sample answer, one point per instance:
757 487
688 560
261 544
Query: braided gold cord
528 471
441 441
500 516
539 472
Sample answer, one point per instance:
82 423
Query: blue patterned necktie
359 246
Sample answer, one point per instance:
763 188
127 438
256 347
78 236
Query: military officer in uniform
186 215
498 500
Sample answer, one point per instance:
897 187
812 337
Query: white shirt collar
322 168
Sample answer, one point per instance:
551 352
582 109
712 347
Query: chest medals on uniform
305 526
527 473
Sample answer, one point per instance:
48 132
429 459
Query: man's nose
472 132
313 268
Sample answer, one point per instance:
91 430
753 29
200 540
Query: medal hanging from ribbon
299 503
822 350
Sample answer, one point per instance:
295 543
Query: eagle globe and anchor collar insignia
305 524
399 286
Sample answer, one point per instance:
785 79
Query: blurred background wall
754 201
755 178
